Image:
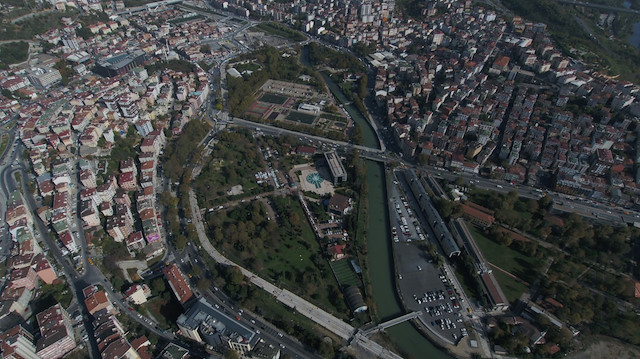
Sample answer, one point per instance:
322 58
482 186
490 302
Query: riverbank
406 336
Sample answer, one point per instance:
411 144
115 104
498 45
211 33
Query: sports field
345 274
258 109
301 117
273 98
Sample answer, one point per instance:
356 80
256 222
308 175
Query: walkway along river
382 274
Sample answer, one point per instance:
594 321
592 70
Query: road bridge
392 322
149 6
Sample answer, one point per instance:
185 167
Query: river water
411 343
634 39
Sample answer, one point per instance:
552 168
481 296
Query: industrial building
498 302
120 64
44 78
435 221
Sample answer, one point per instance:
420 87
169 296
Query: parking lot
423 287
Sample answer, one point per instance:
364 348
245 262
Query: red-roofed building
337 251
501 63
141 346
135 241
128 165
67 239
137 293
497 299
340 204
122 198
98 301
89 290
178 283
119 227
23 278
305 150
127 181
17 343
476 216
46 188
151 144
43 269
56 332
87 178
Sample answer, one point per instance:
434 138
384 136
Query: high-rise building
17 343
56 333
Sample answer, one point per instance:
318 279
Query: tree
84 32
158 286
203 284
423 159
65 71
196 271
357 135
234 275
205 49
6 93
544 202
445 207
180 241
168 200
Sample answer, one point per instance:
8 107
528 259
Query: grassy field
4 141
512 288
509 260
273 98
301 117
295 253
281 30
345 274
285 253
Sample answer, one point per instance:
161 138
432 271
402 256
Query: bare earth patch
607 348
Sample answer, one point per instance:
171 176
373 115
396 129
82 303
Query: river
634 39
382 275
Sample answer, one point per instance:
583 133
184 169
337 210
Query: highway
599 6
573 204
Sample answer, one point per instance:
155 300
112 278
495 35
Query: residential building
137 293
97 301
17 343
56 332
177 283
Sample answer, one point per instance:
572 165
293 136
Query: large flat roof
203 312
335 165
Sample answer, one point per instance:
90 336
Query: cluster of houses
469 91
186 33
26 266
